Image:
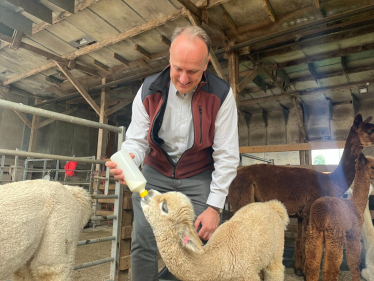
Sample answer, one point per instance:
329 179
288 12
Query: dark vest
206 101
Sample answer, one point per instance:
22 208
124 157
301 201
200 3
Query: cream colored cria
251 241
40 223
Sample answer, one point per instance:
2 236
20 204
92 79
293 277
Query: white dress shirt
177 130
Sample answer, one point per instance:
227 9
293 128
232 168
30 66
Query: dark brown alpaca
332 222
298 188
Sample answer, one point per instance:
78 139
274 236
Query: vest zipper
201 123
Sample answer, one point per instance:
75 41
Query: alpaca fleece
335 221
251 241
40 224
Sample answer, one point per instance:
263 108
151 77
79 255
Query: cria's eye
372 168
370 132
164 207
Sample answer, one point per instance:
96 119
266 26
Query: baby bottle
133 177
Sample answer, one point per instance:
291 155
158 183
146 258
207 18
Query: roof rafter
113 40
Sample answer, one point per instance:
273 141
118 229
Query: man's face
188 61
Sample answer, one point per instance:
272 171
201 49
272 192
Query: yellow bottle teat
143 194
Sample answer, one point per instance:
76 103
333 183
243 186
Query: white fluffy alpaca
367 234
251 241
40 224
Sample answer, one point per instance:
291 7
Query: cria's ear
189 239
361 160
358 120
368 119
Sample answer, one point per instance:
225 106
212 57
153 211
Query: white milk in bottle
133 177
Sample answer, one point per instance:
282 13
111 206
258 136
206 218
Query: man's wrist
219 210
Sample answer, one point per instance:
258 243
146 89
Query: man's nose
183 78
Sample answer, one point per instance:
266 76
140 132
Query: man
184 126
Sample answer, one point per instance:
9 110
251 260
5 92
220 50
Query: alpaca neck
188 266
344 173
368 229
360 190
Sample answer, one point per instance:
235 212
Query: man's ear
189 239
357 121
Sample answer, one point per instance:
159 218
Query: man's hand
209 221
117 173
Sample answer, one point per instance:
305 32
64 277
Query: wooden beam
67 5
216 65
293 147
269 10
189 5
234 73
15 20
317 4
313 72
6 30
230 22
33 130
56 90
249 78
121 59
19 114
35 9
165 41
113 40
78 86
213 58
17 40
274 80
257 101
50 120
101 65
102 139
314 91
86 70
117 107
142 51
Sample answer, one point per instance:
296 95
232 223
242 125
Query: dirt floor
97 251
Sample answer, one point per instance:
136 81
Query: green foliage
319 160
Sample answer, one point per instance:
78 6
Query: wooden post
34 131
234 73
102 139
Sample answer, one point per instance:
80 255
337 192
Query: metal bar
103 218
44 168
106 190
61 170
116 230
102 196
2 167
57 169
48 156
25 170
15 167
96 240
57 116
90 188
102 178
270 161
92 263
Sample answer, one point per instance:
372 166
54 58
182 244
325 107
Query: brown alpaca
298 188
332 222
